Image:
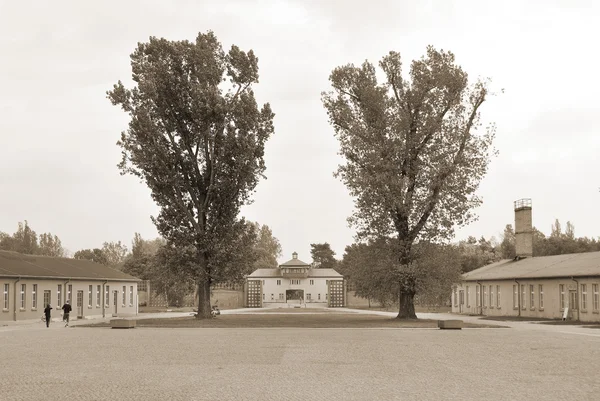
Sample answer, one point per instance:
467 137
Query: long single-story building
295 282
553 287
29 282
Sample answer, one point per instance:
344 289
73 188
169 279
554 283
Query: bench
122 323
450 324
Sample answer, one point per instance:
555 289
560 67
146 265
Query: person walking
47 314
66 310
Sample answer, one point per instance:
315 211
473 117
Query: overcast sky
58 131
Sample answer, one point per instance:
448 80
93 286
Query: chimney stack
523 229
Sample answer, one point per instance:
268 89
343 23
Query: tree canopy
323 256
25 240
196 137
414 152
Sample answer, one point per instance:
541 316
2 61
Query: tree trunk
204 309
203 300
407 305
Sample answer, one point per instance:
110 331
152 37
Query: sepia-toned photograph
299 200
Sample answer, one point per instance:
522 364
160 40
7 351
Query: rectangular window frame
468 303
47 297
90 296
498 303
34 296
596 298
278 282
107 296
561 296
124 298
515 297
98 295
22 298
583 301
478 296
59 295
6 297
484 295
130 295
541 296
491 296
531 297
70 294
523 297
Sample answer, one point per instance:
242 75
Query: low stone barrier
450 324
122 323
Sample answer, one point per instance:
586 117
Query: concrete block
122 323
450 324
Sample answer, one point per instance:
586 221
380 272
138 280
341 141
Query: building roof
13 264
265 273
294 263
568 265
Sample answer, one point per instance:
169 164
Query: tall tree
508 248
414 153
115 253
25 240
267 248
323 256
50 245
196 137
95 255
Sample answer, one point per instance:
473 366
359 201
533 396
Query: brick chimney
523 229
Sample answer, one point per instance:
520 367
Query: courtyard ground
526 361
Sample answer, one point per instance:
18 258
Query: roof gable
13 264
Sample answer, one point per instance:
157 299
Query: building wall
317 290
547 306
34 310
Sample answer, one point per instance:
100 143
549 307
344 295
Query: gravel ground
296 364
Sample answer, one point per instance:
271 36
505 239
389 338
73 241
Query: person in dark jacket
66 309
47 314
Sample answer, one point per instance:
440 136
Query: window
523 297
515 297
295 282
281 296
272 297
58 298
531 296
319 297
106 295
312 282
541 292
583 296
484 296
22 296
561 288
468 304
47 297
478 298
124 295
98 293
455 296
497 296
130 295
69 291
90 295
596 297
34 296
263 296
491 296
325 297
278 282
6 298
308 297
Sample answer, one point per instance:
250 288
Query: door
461 300
116 299
573 304
79 304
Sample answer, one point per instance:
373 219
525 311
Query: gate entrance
294 296
336 293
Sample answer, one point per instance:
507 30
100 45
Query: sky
58 132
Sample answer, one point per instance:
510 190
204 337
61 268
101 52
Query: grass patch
539 320
269 320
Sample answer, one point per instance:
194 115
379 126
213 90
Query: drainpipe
104 300
480 297
15 299
518 296
577 295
